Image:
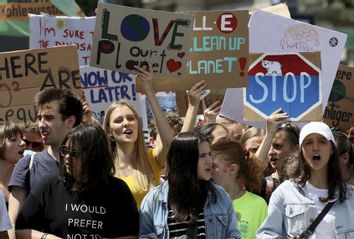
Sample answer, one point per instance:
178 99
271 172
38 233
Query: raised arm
272 122
193 105
165 131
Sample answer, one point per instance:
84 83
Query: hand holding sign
145 77
275 119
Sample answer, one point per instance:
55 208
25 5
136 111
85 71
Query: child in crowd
236 170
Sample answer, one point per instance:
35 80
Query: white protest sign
47 31
269 33
102 87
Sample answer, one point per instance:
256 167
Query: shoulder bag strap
309 231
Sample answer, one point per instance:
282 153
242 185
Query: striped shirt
180 230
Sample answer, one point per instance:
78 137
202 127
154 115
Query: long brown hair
334 177
187 194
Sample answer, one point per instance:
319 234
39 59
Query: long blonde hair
142 172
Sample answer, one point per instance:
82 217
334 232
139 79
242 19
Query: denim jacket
220 218
290 213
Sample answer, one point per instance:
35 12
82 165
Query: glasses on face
34 145
291 129
64 150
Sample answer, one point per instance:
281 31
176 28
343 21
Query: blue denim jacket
290 213
220 218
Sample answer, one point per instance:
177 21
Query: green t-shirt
251 210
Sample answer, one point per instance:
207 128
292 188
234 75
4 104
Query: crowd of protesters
218 179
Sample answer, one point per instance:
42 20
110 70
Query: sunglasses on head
64 150
290 127
34 145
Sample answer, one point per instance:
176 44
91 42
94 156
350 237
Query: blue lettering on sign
216 43
101 79
294 94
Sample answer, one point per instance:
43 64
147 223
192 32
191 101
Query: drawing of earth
338 91
135 28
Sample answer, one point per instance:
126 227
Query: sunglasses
34 145
291 130
64 150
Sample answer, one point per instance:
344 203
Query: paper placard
48 31
102 87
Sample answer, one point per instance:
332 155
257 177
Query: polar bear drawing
273 68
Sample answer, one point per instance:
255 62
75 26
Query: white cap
316 128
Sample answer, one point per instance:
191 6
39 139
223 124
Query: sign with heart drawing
125 37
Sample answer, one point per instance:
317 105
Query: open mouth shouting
316 157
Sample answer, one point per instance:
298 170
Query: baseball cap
316 128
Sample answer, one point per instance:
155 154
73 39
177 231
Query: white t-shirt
326 228
5 223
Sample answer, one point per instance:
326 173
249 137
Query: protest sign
218 53
14 16
47 31
272 33
339 111
24 73
125 37
219 50
287 81
102 87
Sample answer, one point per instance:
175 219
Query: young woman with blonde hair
139 166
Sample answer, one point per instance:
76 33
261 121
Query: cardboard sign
288 81
24 73
125 37
219 50
49 31
218 53
14 16
339 112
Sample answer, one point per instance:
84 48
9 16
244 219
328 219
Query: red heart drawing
173 65
181 54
